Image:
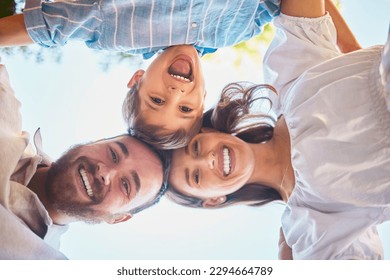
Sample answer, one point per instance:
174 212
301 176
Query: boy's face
171 90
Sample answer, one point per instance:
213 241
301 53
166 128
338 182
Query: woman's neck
273 162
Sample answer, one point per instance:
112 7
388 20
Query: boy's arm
346 41
13 31
303 8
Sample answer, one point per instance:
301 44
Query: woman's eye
196 148
126 186
196 177
185 109
157 100
114 156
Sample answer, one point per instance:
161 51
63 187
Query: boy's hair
153 134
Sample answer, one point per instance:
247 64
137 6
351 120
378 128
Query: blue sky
76 102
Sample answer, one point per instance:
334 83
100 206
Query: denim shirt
145 27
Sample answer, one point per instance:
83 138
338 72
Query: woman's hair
245 111
153 134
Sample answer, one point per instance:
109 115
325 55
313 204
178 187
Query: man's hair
165 157
153 134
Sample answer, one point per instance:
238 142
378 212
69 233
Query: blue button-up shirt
145 27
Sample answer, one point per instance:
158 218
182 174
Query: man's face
172 90
101 180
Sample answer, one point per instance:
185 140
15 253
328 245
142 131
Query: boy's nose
173 89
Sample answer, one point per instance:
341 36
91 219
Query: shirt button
194 25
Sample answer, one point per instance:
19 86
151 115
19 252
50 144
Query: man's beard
61 192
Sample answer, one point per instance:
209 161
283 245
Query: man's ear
214 202
135 78
207 129
119 218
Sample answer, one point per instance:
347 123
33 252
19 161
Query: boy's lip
181 69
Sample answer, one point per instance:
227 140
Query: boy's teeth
180 78
226 162
86 183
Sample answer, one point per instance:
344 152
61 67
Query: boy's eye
196 148
114 156
157 100
185 109
126 186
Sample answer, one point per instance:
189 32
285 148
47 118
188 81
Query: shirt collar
45 159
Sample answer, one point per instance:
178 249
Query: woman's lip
221 161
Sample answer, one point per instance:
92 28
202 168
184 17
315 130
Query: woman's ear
119 218
214 202
135 78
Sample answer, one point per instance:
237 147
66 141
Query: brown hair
235 114
153 134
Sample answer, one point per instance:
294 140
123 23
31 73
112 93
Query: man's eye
185 109
126 186
196 148
157 100
114 156
196 177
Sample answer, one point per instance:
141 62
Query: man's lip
82 188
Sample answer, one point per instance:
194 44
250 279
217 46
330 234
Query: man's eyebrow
137 180
123 148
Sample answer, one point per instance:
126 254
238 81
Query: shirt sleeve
55 23
345 235
298 44
385 70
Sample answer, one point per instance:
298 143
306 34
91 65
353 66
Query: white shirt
335 110
27 231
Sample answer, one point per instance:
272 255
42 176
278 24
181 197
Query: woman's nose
210 158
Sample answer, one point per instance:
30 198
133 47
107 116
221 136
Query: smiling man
105 181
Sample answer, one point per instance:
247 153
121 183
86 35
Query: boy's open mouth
181 69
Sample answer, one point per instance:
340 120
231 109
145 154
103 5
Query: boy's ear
213 202
119 218
135 78
207 129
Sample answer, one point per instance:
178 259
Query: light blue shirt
145 27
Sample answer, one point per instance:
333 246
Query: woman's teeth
180 78
86 183
226 162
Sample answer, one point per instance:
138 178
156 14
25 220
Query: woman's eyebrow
123 148
187 175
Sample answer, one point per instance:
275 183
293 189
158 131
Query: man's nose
105 174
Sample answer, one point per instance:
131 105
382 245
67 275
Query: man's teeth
85 180
226 161
180 78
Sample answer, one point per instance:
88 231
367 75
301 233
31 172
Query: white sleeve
316 235
298 44
385 70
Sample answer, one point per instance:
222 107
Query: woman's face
214 164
